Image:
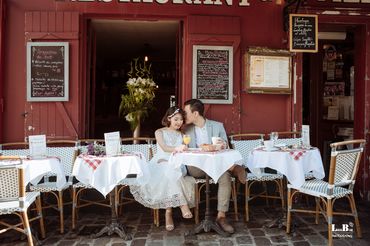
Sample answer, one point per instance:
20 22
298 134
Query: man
201 131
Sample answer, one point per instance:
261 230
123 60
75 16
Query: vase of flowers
136 104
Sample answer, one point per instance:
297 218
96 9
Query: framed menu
213 74
37 145
47 71
112 143
303 33
268 71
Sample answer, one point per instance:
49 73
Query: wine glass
186 139
274 137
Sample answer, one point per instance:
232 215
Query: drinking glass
274 136
186 139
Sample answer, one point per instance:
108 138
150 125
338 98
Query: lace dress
166 187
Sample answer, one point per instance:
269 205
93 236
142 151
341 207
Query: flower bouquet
95 149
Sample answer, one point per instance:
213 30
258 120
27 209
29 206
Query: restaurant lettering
195 2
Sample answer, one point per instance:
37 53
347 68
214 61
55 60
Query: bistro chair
79 189
15 200
245 143
344 164
66 151
146 148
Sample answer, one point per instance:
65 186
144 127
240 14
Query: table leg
207 224
113 226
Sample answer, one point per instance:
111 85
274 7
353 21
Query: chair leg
329 212
116 199
317 200
355 215
61 211
39 211
246 201
281 191
289 207
196 208
74 207
27 229
266 192
235 200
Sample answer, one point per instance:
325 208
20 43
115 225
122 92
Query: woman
166 187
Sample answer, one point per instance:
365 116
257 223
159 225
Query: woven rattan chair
66 151
145 146
15 200
245 143
344 165
79 188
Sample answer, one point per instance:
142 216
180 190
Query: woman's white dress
166 187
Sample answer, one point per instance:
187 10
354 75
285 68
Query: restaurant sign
195 2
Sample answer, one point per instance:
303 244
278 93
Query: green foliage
141 92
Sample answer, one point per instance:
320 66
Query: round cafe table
214 164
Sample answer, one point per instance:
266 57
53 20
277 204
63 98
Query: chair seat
128 181
211 181
264 176
82 185
319 188
49 186
9 207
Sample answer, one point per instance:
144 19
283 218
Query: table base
207 226
114 227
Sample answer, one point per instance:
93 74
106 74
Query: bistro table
103 173
293 163
214 164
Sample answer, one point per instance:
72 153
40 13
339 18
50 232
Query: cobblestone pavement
140 226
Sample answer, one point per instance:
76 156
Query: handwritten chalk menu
213 74
47 71
303 33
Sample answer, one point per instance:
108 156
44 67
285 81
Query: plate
272 149
280 145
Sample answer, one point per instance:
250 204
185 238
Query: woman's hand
181 148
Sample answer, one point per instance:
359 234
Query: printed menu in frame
268 71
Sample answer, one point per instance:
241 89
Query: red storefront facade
240 24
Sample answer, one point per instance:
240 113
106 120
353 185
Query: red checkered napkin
296 155
92 161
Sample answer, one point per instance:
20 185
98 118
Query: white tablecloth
35 169
284 162
104 176
213 163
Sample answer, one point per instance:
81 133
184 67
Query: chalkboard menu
303 33
213 74
47 71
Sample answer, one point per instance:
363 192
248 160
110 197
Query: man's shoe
239 172
224 225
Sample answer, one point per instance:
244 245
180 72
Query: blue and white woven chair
66 151
15 200
344 165
246 143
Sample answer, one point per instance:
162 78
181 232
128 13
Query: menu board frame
195 83
256 60
291 33
65 96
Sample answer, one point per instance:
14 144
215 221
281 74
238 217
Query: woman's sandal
169 221
186 213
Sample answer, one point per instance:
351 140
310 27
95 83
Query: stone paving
140 226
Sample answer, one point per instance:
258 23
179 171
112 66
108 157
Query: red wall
260 24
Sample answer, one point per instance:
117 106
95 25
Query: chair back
289 138
11 180
245 143
15 149
145 145
66 151
344 163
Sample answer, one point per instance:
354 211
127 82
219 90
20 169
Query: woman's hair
171 112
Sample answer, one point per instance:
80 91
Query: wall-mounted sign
268 71
303 33
47 71
213 74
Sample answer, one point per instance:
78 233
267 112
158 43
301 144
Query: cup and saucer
268 145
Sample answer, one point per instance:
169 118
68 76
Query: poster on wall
303 33
267 71
47 71
213 74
